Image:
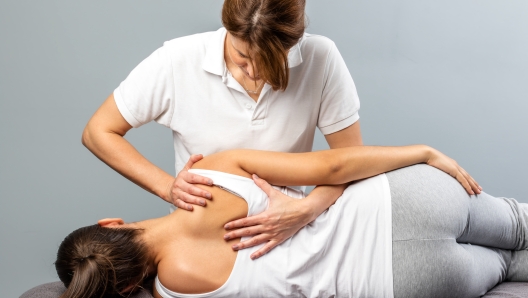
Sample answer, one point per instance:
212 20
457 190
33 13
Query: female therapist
260 82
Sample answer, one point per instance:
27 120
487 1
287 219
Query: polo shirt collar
214 54
294 55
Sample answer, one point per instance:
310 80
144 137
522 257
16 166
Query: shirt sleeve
340 102
147 92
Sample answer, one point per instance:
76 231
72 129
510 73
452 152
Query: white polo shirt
186 86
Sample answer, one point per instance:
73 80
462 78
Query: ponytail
98 262
87 280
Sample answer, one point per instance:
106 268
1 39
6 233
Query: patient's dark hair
95 261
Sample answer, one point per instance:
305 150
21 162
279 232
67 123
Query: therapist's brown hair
271 28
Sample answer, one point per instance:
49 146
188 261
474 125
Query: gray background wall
451 74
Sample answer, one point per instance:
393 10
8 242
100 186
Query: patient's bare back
198 259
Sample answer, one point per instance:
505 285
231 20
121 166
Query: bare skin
191 246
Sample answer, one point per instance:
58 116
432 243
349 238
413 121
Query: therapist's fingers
182 205
245 222
183 185
254 241
182 193
190 199
191 178
245 232
195 191
265 249
264 185
194 195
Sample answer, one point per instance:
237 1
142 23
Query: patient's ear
111 222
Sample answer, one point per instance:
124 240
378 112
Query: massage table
55 289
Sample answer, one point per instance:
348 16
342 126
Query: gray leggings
449 244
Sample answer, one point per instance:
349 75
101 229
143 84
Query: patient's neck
157 232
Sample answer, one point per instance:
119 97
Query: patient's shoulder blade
201 260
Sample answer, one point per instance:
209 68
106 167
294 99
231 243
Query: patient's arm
334 166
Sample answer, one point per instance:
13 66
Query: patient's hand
443 162
283 218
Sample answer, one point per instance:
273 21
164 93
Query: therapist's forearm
322 197
114 150
104 137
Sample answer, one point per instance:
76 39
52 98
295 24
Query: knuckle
194 200
187 189
193 190
181 183
187 198
266 249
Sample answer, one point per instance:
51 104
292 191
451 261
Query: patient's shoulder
225 161
200 267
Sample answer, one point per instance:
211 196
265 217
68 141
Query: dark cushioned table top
54 289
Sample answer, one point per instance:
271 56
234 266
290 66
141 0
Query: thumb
194 158
264 185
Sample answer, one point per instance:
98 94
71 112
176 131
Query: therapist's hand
283 218
183 194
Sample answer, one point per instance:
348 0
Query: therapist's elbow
90 135
86 138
